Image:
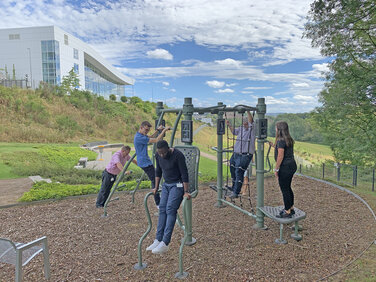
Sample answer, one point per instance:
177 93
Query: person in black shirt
171 164
285 166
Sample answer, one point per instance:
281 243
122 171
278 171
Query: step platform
272 213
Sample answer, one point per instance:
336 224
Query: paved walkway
12 189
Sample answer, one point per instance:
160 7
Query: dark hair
283 133
126 148
145 123
162 144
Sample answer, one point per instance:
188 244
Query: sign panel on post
187 131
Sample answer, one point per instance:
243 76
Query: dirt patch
12 189
86 247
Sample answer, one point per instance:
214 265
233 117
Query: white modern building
48 53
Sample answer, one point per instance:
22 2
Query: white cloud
301 84
226 90
257 88
159 54
231 84
246 92
215 83
244 24
165 83
305 98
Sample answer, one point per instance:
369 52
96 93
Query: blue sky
210 50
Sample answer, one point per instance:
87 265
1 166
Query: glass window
14 36
50 61
75 53
76 68
66 39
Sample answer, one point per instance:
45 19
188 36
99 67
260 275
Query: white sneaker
160 249
153 246
157 207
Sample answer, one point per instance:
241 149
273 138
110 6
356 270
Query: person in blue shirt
141 141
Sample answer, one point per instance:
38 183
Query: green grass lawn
5 170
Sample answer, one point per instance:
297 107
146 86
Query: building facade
48 54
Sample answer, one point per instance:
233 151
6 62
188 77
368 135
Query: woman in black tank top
285 166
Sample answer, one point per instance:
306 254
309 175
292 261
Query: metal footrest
272 213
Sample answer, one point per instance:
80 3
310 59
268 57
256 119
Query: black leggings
285 174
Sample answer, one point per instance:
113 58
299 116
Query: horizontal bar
239 209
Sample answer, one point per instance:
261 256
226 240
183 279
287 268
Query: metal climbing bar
140 264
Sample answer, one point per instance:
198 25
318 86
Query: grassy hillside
46 116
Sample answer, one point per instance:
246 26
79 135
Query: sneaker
284 215
292 212
153 246
160 249
157 207
234 195
99 206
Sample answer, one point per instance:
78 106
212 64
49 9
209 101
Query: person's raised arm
159 129
230 126
160 136
250 117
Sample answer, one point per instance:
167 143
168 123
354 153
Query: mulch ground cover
86 247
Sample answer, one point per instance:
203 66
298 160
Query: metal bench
272 213
19 254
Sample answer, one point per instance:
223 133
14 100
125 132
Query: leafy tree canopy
346 31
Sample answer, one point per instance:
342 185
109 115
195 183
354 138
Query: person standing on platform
285 166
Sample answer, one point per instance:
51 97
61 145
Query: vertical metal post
188 112
338 172
219 163
261 110
355 175
300 168
323 170
31 74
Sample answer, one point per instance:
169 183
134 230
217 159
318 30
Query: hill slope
46 116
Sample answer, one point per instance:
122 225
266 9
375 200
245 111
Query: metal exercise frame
188 110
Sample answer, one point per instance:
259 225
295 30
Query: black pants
150 172
285 174
108 181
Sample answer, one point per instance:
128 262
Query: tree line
302 127
345 32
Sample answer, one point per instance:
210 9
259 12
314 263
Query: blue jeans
238 165
171 199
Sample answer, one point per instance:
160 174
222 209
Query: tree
346 31
124 99
112 97
70 82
